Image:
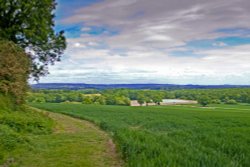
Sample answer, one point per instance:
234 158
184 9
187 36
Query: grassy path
74 143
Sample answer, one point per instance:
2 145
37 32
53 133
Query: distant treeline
78 86
124 96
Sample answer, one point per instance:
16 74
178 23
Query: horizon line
140 84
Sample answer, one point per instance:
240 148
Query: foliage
27 121
204 100
17 127
30 24
14 71
231 101
87 100
157 99
6 103
58 96
215 101
123 96
240 95
172 135
9 140
141 99
100 100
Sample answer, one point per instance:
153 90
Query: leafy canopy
30 24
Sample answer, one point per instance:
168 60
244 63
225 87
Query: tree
216 101
248 100
231 101
87 100
74 96
50 98
100 100
122 100
14 71
157 99
141 99
110 100
30 24
39 100
204 100
127 101
147 100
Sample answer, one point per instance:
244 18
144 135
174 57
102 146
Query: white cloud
148 32
179 20
84 29
77 44
100 66
158 37
220 44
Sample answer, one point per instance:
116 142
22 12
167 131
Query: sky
160 41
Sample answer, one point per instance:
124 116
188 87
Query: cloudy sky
154 41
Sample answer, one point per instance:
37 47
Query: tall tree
157 99
30 24
141 99
204 100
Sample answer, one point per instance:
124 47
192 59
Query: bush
14 71
6 103
27 122
18 127
204 101
215 101
231 101
9 140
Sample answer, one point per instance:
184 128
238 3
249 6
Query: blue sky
161 41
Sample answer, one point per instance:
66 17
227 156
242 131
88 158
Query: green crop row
172 135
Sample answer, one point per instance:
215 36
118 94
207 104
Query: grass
29 138
172 135
73 143
17 126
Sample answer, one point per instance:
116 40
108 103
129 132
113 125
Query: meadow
164 136
34 138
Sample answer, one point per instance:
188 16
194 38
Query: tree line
124 96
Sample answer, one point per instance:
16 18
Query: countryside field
218 135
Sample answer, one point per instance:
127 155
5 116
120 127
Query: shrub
215 101
27 122
9 140
204 100
6 103
231 101
14 71
16 128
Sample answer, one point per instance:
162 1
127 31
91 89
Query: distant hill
76 86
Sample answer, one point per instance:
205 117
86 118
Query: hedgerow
14 71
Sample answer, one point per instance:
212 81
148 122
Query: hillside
18 125
75 86
31 138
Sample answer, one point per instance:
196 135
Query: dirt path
74 143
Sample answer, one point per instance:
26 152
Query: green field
172 135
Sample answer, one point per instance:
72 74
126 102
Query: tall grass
17 125
173 135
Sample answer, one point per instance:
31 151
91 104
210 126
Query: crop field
160 136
